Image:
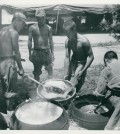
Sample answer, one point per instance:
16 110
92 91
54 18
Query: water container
88 120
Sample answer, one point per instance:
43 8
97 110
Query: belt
76 61
39 49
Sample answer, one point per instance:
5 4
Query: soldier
9 56
75 66
110 77
43 50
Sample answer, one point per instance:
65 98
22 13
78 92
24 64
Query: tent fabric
50 10
68 9
62 12
53 9
86 9
11 9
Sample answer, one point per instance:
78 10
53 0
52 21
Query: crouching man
110 76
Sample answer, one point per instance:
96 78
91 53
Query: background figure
43 50
9 55
75 66
110 76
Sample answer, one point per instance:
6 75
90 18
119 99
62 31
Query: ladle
34 80
114 92
101 103
62 96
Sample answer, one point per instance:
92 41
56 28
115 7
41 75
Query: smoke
31 88
26 89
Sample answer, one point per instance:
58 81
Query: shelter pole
0 17
57 20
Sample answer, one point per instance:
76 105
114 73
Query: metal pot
39 115
68 84
63 101
79 112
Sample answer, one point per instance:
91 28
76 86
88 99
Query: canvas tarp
66 9
59 13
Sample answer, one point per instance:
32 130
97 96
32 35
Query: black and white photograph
59 65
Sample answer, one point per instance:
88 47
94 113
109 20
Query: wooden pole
0 17
57 20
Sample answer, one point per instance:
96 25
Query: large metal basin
39 115
81 111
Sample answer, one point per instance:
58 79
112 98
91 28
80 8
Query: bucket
39 115
79 112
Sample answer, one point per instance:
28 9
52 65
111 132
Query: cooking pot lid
38 112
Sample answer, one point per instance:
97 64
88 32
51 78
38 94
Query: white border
24 3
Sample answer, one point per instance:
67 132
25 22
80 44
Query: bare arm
67 59
102 82
15 46
51 42
89 52
30 41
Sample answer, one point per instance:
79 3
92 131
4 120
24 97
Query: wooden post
0 17
57 20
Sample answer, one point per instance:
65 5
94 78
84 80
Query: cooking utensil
114 92
39 115
64 95
43 87
78 111
70 92
34 80
102 103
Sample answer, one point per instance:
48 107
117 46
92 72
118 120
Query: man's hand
79 71
66 77
10 94
97 94
21 72
53 57
79 74
74 81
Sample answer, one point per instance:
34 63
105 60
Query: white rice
38 113
59 84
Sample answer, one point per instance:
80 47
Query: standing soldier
43 50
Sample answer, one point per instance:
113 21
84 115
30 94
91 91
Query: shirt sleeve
103 80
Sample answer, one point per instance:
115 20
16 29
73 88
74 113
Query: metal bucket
79 112
39 115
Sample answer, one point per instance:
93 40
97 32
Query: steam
31 88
